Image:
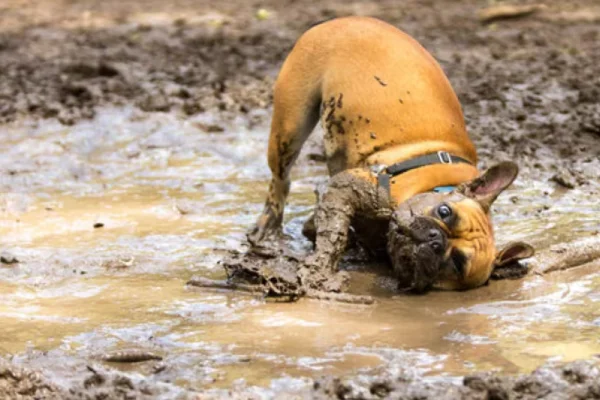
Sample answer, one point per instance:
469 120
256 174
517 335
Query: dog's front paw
316 274
267 227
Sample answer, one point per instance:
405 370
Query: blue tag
444 189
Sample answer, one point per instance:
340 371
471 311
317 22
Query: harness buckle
378 168
444 157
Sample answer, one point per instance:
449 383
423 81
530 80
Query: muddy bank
99 383
577 380
16 382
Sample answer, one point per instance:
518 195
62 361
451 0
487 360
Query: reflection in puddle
171 198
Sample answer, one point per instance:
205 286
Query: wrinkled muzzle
416 246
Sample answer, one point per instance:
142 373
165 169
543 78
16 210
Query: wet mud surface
577 380
133 159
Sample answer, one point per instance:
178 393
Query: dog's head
447 240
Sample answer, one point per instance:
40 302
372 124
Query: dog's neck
426 178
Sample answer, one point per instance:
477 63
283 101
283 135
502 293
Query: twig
130 356
339 297
566 255
199 281
259 289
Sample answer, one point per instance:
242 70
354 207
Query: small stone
8 258
564 179
191 107
210 128
98 225
159 367
120 263
185 206
157 101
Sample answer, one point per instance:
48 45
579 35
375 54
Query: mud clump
278 273
106 384
275 272
512 271
577 380
564 179
8 258
20 383
96 383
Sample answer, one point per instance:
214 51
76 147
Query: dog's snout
436 245
436 240
434 234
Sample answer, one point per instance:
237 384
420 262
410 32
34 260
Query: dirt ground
530 90
529 87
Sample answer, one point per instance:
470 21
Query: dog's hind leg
296 112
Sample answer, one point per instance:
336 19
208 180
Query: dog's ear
490 184
513 252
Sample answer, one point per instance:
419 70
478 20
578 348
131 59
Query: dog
402 168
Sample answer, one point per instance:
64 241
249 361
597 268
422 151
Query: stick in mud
130 356
310 294
566 255
339 297
199 281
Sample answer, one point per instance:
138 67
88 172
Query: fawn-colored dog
403 169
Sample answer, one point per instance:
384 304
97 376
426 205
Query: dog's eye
444 211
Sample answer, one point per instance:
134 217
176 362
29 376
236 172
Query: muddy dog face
446 239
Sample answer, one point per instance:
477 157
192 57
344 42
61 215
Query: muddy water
109 218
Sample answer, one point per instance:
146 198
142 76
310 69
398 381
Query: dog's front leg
296 105
350 194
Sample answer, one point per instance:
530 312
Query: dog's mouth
417 248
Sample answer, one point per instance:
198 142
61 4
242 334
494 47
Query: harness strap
441 157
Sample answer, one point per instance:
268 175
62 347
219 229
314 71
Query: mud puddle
109 218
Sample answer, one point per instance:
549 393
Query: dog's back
382 99
381 96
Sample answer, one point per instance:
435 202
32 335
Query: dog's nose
434 234
436 240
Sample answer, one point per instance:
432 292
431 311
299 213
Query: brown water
171 198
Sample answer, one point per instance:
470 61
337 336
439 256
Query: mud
347 202
16 383
577 380
151 118
528 87
573 381
276 273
